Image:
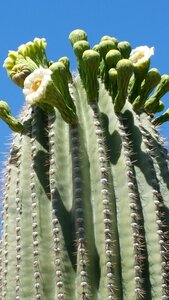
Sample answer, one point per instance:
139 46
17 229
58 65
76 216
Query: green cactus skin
86 204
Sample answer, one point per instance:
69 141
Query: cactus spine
86 196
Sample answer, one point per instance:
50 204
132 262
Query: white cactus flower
140 55
35 84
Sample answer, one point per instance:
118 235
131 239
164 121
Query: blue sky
142 22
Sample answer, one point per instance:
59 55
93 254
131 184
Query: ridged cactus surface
86 196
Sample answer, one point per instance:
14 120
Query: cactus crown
86 204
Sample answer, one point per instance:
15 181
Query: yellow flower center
139 56
36 85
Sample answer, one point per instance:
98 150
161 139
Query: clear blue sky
144 22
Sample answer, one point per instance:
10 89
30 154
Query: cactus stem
35 208
61 197
55 221
85 207
4 244
18 220
82 258
152 208
128 208
105 193
135 214
9 245
106 242
160 167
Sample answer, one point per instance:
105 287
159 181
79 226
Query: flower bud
161 89
112 83
151 80
59 77
79 48
66 62
125 49
107 37
112 58
36 51
161 119
77 35
105 46
19 64
158 107
6 116
91 62
124 71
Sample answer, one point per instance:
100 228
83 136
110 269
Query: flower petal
141 54
35 84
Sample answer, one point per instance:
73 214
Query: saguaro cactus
86 197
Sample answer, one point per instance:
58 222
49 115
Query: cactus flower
35 84
140 57
141 54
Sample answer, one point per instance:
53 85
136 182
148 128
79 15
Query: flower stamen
141 55
36 85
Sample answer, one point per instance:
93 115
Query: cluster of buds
125 73
44 83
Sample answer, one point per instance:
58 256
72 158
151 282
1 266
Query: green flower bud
96 47
107 37
112 82
161 89
110 61
151 80
161 119
105 46
59 77
112 58
6 116
91 62
80 47
77 35
125 49
19 64
157 108
18 67
36 51
124 71
66 62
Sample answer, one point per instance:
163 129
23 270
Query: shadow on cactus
86 192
